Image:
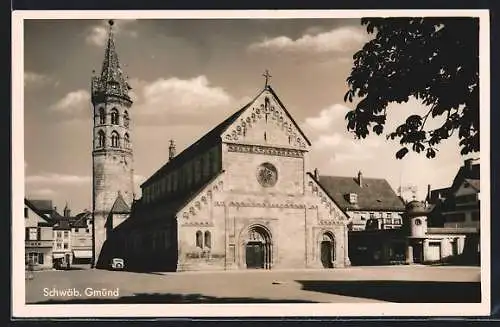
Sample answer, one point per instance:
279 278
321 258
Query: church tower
112 148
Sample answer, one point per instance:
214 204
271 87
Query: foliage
436 61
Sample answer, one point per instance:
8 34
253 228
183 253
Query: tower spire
112 81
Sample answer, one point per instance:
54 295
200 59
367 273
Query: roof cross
267 76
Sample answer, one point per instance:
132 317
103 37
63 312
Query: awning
83 254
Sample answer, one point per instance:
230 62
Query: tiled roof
63 224
140 215
210 138
376 193
120 206
35 209
80 220
44 206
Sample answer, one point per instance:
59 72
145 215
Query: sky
189 75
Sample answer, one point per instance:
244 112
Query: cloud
174 100
341 39
330 138
57 179
42 192
72 102
36 79
98 34
327 118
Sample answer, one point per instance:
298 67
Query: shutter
40 258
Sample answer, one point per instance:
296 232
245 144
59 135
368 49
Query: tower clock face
267 174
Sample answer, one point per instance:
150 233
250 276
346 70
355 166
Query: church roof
120 206
214 136
375 194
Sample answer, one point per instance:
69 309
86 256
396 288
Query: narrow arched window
126 140
102 116
125 119
115 139
101 139
114 116
199 239
208 240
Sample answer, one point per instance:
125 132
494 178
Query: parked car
117 264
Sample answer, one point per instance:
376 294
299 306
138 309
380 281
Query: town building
81 238
239 197
371 203
38 237
458 206
62 253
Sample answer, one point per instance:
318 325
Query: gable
266 121
467 187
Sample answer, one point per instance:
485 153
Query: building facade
81 238
38 237
240 197
371 203
112 146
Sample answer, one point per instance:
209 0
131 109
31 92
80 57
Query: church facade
240 197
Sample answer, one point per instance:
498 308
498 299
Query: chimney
360 179
428 197
171 150
316 174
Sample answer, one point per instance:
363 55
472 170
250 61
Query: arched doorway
258 248
327 247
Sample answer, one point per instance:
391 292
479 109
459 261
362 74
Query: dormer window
353 198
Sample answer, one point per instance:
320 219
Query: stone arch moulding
321 235
267 234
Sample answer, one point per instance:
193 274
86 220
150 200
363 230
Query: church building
239 197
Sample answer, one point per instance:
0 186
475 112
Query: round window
267 174
418 222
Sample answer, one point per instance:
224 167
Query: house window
199 239
59 234
66 234
208 240
76 230
389 215
35 258
397 221
87 230
388 221
101 139
353 198
65 245
58 246
114 116
33 234
102 116
115 139
372 215
25 212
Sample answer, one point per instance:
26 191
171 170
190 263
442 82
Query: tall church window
115 139
208 240
199 239
101 139
125 119
114 116
126 140
102 116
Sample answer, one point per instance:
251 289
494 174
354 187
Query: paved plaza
415 284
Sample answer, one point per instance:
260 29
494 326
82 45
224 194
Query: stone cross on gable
267 77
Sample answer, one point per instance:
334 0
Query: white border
20 309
